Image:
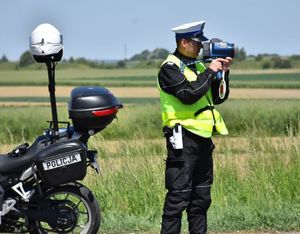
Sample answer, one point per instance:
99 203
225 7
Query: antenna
51 87
125 51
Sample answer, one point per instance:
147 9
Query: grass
262 117
141 118
285 80
242 117
140 78
256 185
257 175
65 100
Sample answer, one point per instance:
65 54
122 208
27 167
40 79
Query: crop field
40 94
260 156
256 186
143 78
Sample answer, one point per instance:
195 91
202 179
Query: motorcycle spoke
66 196
84 213
77 205
59 197
55 197
81 226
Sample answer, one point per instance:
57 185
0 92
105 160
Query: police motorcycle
39 188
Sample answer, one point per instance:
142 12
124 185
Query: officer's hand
216 65
220 64
227 63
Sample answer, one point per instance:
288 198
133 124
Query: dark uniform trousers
188 178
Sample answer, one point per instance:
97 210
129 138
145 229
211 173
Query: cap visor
203 38
200 38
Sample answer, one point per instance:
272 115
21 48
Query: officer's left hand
226 63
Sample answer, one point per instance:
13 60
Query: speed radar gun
216 48
40 190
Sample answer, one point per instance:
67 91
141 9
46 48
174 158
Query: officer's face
191 48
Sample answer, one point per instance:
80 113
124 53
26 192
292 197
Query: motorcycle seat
9 164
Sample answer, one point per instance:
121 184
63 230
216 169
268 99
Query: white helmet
46 43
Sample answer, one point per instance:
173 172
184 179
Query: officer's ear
182 43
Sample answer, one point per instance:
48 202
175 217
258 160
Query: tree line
148 58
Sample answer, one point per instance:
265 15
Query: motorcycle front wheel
79 209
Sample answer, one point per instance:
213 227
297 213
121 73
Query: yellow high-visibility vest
174 111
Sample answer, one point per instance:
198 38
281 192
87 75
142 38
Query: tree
295 57
240 54
121 64
142 56
259 58
71 60
281 63
266 65
158 54
4 59
146 55
26 59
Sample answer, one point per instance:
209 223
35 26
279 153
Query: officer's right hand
216 65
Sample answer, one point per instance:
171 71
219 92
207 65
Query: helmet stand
51 87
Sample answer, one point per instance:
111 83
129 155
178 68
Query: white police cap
192 30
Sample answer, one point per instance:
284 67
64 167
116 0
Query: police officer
188 93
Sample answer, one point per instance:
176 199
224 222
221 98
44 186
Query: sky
118 29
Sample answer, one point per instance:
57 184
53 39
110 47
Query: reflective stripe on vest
174 111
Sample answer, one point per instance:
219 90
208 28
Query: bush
258 58
266 65
26 59
281 63
240 54
4 59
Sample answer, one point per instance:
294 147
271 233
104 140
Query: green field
256 166
139 78
262 117
257 172
255 189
